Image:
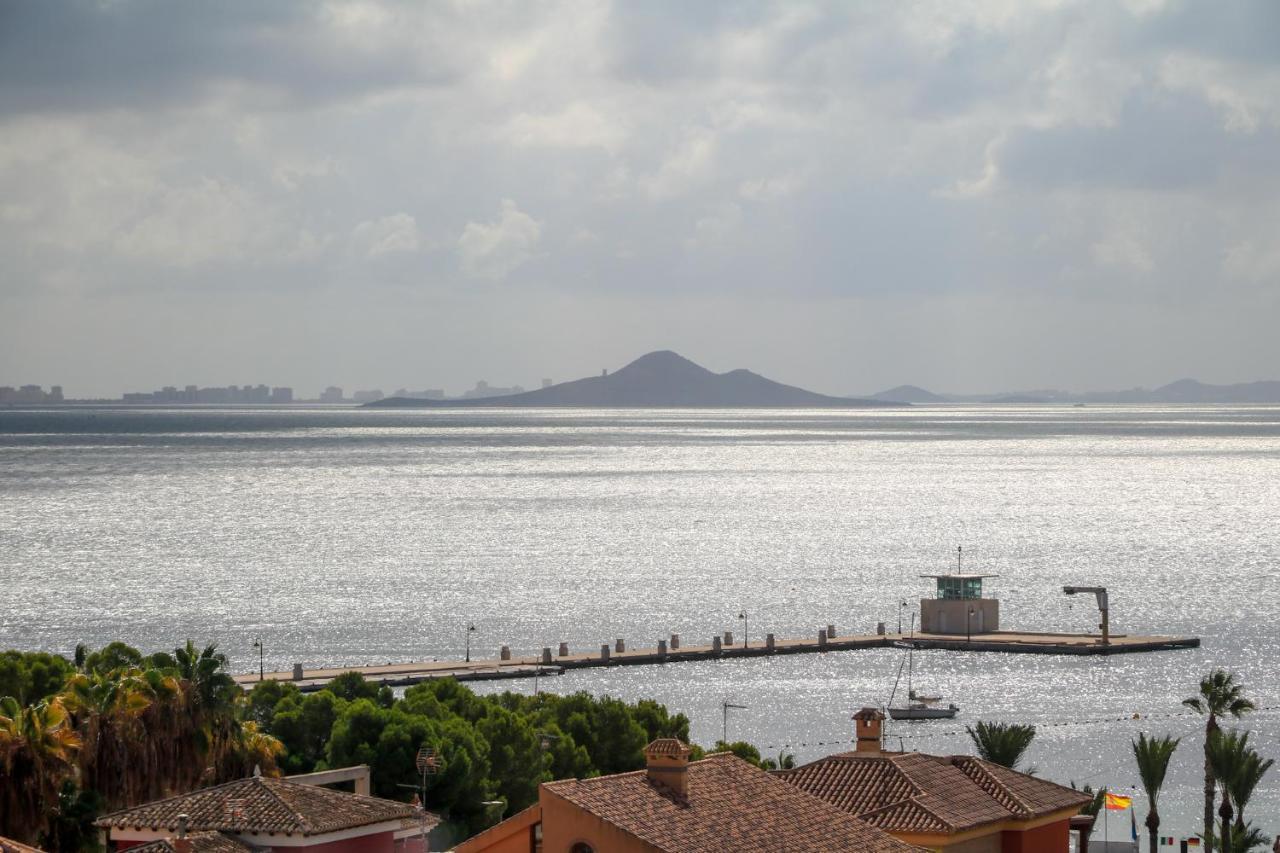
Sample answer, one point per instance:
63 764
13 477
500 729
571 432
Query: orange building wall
564 824
1050 838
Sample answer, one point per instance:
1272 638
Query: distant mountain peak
661 379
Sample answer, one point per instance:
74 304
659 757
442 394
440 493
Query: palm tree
1152 755
1220 694
1246 839
1245 780
106 710
1091 809
37 751
1002 743
1228 755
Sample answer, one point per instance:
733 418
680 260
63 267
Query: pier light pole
470 629
745 628
901 604
262 668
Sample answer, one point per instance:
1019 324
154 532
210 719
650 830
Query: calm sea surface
342 536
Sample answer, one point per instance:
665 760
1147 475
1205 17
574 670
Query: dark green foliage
516 758
71 828
263 699
304 724
113 657
352 686
1002 743
740 748
31 677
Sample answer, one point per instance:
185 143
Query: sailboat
918 707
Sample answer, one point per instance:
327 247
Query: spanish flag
1117 803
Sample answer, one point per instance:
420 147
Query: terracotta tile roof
731 805
9 846
915 792
260 804
201 842
666 746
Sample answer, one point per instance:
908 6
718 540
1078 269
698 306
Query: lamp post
470 628
745 628
901 604
262 667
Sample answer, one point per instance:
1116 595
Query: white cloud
388 235
495 249
1122 250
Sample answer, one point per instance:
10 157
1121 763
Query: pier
670 650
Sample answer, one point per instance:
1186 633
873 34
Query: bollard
675 642
831 632
822 638
728 638
604 651
662 648
620 645
716 648
546 654
768 642
297 672
564 650
504 653
880 629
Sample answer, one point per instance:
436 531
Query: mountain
908 394
1191 391
658 380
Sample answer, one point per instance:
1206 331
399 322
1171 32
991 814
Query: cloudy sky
961 195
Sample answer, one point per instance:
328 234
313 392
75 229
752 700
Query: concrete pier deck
1023 642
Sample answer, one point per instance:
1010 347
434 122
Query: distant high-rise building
484 389
332 394
30 394
368 396
282 395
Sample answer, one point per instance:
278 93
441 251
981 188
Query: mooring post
504 653
564 650
675 642
297 672
604 651
768 642
822 638
620 646
831 632
728 638
546 654
662 648
716 647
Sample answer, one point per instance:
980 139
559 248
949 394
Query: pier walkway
548 663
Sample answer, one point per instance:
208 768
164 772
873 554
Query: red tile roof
914 792
731 805
9 846
201 842
260 804
666 746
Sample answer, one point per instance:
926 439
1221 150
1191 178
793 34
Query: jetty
669 651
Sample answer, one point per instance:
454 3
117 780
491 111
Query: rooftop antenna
727 706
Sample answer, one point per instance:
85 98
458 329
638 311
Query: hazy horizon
970 197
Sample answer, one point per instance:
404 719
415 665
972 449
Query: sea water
340 536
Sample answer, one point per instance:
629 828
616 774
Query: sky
966 196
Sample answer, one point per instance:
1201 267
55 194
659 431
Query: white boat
918 707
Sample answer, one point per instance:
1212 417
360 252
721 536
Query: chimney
182 844
667 765
868 724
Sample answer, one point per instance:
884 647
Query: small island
661 379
